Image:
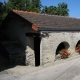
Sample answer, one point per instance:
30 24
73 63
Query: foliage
62 9
64 53
2 11
33 5
29 5
16 4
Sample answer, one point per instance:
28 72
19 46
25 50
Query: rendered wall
50 44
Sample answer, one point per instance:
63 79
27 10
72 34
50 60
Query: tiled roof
50 21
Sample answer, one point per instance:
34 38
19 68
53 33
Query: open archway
62 45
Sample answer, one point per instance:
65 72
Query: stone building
41 35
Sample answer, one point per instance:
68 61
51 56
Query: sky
73 6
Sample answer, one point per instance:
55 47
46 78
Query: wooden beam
33 34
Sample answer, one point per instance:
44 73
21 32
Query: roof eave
58 29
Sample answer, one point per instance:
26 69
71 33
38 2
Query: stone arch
77 45
62 45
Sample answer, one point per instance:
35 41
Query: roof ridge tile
25 11
43 14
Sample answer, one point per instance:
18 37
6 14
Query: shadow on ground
5 64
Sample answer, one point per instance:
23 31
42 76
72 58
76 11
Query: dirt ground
21 70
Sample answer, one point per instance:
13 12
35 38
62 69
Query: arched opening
77 48
62 45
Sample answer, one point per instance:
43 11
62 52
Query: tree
52 10
37 4
1 11
44 10
49 10
16 4
1 8
62 9
34 5
29 5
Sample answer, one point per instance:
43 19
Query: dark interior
37 50
60 47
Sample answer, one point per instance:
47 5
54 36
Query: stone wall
30 56
50 44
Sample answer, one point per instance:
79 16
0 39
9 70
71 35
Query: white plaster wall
50 44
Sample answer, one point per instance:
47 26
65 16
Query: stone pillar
41 52
46 49
30 56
